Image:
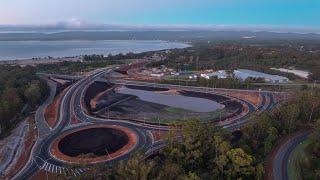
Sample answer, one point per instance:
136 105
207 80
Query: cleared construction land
158 105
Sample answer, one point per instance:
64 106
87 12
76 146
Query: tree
33 93
271 138
10 104
240 164
221 159
134 169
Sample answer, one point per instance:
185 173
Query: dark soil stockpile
94 89
97 141
147 88
136 108
109 99
61 87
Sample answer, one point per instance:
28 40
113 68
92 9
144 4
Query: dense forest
117 57
208 152
255 57
20 91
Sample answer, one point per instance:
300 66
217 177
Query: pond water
177 101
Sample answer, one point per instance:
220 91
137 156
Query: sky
282 13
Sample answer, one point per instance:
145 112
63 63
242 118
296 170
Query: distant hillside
157 35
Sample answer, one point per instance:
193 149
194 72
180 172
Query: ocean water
12 50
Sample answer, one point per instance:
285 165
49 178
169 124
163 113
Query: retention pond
173 100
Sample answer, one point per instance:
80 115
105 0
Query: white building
174 73
243 74
193 76
158 75
221 74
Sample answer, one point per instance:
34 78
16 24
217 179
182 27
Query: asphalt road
41 155
71 103
281 159
42 125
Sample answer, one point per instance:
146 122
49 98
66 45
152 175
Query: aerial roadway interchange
50 155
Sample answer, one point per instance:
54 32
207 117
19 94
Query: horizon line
79 25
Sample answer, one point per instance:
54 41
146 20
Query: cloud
72 23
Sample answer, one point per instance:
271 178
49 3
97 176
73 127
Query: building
158 75
243 74
221 74
193 76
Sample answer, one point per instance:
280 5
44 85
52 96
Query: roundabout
100 138
93 144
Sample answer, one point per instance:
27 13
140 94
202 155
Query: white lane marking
74 173
44 165
52 169
67 171
49 168
76 170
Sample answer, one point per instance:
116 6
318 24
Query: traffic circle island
93 144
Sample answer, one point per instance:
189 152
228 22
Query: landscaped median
97 144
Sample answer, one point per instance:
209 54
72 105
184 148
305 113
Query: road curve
41 157
281 159
71 104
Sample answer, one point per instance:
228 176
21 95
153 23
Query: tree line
255 57
20 92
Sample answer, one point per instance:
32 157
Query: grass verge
295 158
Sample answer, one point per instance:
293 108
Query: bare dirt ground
252 97
95 101
43 175
75 121
51 113
159 135
60 81
22 158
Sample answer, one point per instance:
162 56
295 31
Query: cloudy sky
285 13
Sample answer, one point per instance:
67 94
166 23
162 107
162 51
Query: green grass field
210 116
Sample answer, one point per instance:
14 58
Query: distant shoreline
36 61
44 52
